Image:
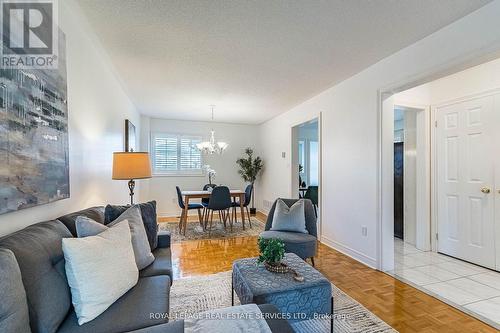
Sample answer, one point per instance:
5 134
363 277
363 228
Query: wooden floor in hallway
400 305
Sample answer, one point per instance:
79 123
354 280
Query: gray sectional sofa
34 256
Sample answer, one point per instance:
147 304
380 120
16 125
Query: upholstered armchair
303 245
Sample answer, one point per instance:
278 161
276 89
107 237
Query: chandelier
212 147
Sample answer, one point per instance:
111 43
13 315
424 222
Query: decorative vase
276 268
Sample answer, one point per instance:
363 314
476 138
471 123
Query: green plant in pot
250 168
272 251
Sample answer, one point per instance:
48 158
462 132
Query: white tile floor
470 288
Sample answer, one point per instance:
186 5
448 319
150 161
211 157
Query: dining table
190 195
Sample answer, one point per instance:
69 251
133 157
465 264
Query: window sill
177 175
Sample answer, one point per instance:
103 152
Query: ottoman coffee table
309 299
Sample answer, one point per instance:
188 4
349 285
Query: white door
465 179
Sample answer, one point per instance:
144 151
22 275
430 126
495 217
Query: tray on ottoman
296 300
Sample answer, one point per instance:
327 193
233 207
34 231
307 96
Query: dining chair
204 201
220 200
312 194
236 204
196 206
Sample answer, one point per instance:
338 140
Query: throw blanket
243 318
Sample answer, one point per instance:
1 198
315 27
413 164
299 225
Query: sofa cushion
39 254
130 312
94 213
303 245
14 317
162 264
100 269
143 257
148 213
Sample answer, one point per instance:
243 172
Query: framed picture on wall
34 153
129 136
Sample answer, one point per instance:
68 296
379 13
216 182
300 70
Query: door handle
485 190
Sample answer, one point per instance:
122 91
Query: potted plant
250 168
272 251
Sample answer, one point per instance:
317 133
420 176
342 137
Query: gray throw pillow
14 316
289 218
148 213
143 257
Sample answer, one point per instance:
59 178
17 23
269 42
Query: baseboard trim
354 254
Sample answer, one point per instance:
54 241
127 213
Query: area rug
197 294
194 230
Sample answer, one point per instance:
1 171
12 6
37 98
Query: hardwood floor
400 305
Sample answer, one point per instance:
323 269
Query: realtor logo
29 34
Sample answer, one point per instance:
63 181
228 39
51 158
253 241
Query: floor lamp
131 166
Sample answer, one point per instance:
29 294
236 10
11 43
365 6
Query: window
175 154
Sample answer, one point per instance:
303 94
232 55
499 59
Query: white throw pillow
289 218
100 269
143 257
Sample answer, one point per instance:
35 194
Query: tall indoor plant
249 170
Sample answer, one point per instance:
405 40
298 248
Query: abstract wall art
34 161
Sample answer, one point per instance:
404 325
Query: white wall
276 138
162 188
350 131
97 108
475 80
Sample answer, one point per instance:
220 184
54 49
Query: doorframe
434 157
424 198
293 181
384 196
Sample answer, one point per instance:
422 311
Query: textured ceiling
253 59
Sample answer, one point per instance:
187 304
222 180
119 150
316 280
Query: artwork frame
130 136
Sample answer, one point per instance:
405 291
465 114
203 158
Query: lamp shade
131 165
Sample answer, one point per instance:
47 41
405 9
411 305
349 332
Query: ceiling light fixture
212 147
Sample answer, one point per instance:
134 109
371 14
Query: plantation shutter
190 156
165 153
176 154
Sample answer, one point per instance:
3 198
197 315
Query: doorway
462 263
306 162
411 181
399 168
